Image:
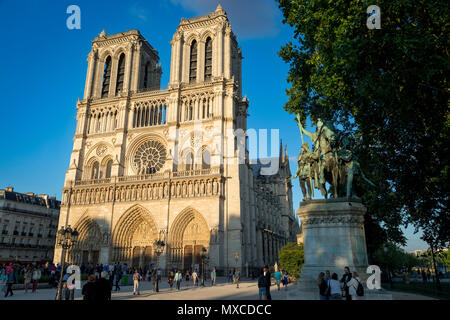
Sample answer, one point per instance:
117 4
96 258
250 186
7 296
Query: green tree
387 90
292 258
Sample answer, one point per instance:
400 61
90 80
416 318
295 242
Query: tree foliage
387 90
395 258
292 258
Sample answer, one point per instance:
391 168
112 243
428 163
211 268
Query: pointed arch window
208 59
189 161
206 159
95 173
193 62
146 72
106 77
120 73
108 169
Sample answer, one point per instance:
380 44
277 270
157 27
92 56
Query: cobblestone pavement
248 290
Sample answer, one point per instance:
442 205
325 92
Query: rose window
150 157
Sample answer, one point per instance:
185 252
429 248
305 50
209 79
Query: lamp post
159 248
204 257
236 258
66 238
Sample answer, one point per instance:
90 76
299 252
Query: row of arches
98 171
133 237
104 121
151 113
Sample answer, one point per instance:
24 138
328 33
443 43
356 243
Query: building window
146 71
106 77
206 160
108 168
95 171
193 62
189 161
120 74
208 59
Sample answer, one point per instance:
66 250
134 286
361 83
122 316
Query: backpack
360 289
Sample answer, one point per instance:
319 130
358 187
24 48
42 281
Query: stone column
227 53
92 62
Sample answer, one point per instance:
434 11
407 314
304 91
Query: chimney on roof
10 189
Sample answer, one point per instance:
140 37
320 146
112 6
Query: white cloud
249 18
138 11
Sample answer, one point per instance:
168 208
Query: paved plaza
223 290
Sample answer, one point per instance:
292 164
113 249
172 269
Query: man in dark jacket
90 289
103 290
268 282
345 279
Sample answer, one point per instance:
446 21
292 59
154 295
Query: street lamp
236 258
204 256
66 238
159 248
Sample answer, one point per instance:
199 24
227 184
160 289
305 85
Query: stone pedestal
333 238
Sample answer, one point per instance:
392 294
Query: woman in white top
353 285
335 288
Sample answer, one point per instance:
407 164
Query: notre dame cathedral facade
150 164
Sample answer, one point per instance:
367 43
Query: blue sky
44 68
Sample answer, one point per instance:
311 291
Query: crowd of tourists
29 274
265 282
349 287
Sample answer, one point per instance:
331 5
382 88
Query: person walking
213 277
3 285
11 278
285 279
344 280
424 276
335 292
322 286
171 279
136 278
230 276
187 278
117 276
194 278
178 278
353 286
89 290
262 286
27 278
236 277
36 277
278 278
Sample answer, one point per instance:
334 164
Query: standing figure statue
305 170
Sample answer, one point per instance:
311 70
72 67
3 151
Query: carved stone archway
188 235
89 243
133 238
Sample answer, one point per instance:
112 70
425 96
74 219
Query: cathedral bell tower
205 49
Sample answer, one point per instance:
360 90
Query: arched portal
133 238
188 235
87 248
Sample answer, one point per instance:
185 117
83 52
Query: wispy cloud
249 18
138 11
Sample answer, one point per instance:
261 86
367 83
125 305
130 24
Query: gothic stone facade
152 164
